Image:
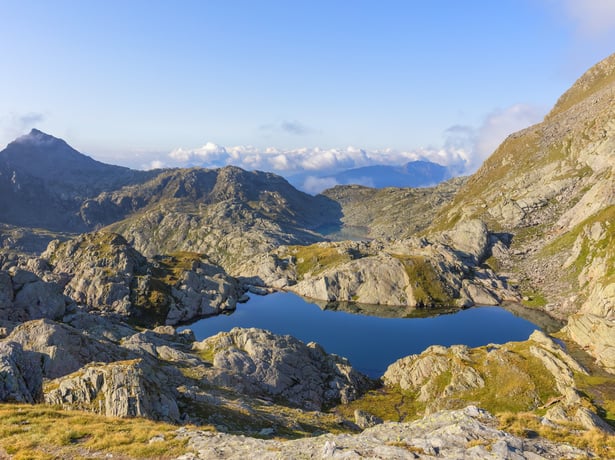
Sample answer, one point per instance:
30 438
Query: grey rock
119 389
64 348
20 374
469 433
364 419
261 363
470 237
108 276
39 299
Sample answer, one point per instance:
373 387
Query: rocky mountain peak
597 78
29 150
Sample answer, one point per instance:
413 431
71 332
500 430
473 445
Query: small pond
370 342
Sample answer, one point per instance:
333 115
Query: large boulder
262 363
470 237
64 349
101 268
20 374
120 389
25 296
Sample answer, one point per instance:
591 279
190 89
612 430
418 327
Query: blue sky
289 85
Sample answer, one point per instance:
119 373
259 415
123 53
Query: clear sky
198 82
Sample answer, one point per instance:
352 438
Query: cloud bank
463 150
309 159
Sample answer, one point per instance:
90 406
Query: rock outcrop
20 374
416 272
104 273
24 295
257 362
64 349
468 433
119 389
522 376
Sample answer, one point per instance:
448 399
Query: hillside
390 212
551 187
44 181
50 190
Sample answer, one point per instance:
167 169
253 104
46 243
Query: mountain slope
229 213
43 182
551 187
389 212
47 187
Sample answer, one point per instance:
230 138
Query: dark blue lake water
371 343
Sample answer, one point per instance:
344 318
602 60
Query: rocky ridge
255 361
390 212
102 273
111 369
523 376
445 270
469 433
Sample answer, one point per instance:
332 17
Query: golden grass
595 441
316 258
45 432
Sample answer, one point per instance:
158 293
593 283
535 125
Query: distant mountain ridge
418 173
228 213
46 184
412 174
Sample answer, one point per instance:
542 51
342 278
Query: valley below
222 313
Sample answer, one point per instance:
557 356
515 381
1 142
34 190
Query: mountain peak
37 137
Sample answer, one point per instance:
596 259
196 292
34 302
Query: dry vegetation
44 432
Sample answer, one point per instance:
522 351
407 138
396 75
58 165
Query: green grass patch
427 287
388 403
535 299
316 258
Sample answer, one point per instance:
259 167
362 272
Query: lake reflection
370 342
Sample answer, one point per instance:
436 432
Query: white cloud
311 159
475 145
17 124
593 17
315 185
155 164
464 150
501 123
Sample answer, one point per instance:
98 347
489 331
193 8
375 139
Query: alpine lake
372 337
